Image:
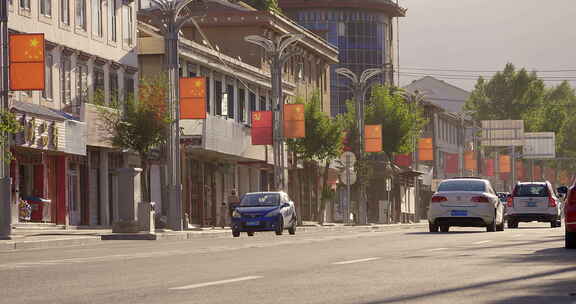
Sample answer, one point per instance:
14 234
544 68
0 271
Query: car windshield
462 185
260 199
531 190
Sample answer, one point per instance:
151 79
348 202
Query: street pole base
5 209
175 209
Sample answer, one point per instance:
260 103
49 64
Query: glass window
81 14
25 4
112 20
97 17
260 199
230 94
251 104
114 85
65 12
263 103
241 105
191 70
47 93
98 81
218 97
66 79
531 190
81 84
128 24
208 95
46 7
462 185
129 86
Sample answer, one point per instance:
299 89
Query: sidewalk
39 239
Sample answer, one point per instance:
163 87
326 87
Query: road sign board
539 145
502 133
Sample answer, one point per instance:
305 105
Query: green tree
8 126
509 94
322 144
140 124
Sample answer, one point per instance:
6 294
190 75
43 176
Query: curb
52 243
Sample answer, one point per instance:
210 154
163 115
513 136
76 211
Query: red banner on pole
373 141
505 164
403 160
489 167
27 71
193 98
470 161
537 173
294 122
425 149
262 128
520 174
451 163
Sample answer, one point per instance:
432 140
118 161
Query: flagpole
5 183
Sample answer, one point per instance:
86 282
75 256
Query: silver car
534 201
465 202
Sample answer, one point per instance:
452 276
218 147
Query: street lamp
5 205
278 52
360 86
169 16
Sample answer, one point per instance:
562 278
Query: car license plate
459 213
253 223
531 204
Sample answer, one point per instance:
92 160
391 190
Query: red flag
425 149
27 70
403 160
373 141
520 170
294 124
262 128
505 164
470 161
489 169
193 98
451 163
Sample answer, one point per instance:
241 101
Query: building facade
60 155
363 31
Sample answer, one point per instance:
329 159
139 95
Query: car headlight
272 213
236 214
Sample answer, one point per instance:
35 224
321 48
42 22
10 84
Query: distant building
447 96
363 31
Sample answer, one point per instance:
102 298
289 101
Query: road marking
517 235
216 283
436 249
355 261
482 242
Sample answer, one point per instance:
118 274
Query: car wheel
251 233
444 228
500 227
491 227
553 224
512 224
432 227
559 223
235 233
292 229
570 239
280 226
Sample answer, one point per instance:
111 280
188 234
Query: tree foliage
8 126
140 124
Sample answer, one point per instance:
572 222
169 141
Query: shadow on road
546 291
443 233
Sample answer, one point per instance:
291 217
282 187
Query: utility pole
169 17
5 182
360 86
278 51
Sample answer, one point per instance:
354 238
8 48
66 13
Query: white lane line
216 283
517 235
482 242
355 261
436 249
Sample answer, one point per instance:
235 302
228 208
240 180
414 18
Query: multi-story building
62 154
217 152
363 31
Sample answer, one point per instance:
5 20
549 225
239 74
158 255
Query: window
98 81
25 4
128 24
81 84
97 17
191 70
218 97
81 14
113 86
128 87
263 103
208 95
242 105
230 93
251 105
46 7
47 93
462 185
112 20
66 80
65 12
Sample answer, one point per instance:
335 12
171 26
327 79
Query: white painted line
518 235
482 242
355 261
436 249
216 283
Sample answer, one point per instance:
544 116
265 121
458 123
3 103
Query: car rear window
462 185
260 199
531 190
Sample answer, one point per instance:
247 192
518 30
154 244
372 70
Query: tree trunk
324 198
144 179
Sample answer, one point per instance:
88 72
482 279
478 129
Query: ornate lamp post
359 86
169 16
278 52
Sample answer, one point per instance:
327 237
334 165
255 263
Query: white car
465 202
534 201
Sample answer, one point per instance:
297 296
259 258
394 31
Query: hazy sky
483 35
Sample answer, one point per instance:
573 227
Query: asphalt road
525 265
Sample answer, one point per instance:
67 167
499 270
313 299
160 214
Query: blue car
264 211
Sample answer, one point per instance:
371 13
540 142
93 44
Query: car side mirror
562 190
285 205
